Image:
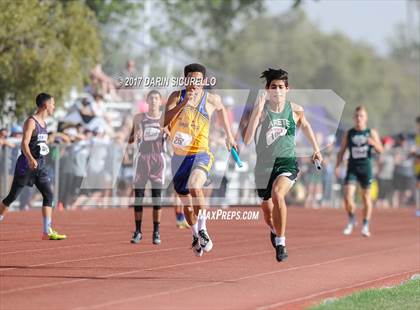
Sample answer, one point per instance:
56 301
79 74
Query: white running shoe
196 247
205 241
348 230
365 231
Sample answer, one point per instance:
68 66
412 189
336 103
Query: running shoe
182 224
137 236
348 229
156 238
53 235
273 239
205 241
196 247
365 231
281 253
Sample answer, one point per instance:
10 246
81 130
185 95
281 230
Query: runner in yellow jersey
188 114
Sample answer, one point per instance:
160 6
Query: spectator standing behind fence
385 174
313 181
4 142
328 172
404 173
15 139
5 147
98 178
10 155
128 93
101 83
75 166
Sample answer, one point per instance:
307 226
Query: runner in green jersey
359 141
276 169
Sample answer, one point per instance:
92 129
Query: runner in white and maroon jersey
150 163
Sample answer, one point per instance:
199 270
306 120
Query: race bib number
182 139
274 133
358 152
43 149
151 134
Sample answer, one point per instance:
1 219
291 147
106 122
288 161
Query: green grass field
404 296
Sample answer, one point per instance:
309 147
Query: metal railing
104 170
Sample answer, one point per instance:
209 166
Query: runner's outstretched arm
375 141
255 118
222 113
308 132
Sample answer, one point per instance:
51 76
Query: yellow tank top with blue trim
190 129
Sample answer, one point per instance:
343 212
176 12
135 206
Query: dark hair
195 68
360 108
41 98
95 96
418 119
275 74
153 92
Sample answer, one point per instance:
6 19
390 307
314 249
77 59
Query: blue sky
370 21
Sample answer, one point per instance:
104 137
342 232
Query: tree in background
197 28
53 45
44 46
404 76
112 11
316 60
204 27
119 24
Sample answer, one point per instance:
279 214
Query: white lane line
153 268
115 302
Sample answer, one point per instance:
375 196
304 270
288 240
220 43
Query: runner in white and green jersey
359 141
276 169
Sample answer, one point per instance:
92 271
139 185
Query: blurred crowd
394 170
90 139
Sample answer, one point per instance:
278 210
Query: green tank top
276 139
360 150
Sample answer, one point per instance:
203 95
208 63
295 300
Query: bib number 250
182 139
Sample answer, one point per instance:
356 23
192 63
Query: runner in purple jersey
150 163
31 167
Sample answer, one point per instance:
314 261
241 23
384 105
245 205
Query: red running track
97 268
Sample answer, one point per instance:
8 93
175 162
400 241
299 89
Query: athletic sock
138 226
46 224
194 229
1 217
179 216
202 221
365 222
280 241
156 226
351 218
